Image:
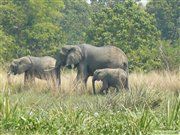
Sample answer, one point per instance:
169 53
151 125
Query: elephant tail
58 76
93 83
127 84
126 69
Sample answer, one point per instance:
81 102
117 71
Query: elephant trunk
93 83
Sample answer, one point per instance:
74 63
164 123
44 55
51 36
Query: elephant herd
107 63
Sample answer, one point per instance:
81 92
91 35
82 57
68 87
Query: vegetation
148 35
167 16
75 21
33 24
41 27
129 27
150 108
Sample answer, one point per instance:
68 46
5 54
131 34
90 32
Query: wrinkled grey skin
117 78
87 58
40 67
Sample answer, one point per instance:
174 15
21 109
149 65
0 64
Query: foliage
130 28
33 24
76 19
142 112
170 54
38 28
7 45
167 15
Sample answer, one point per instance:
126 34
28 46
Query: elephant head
67 56
70 55
98 75
21 65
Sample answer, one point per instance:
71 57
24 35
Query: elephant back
43 63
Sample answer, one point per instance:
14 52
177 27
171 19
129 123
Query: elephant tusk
9 73
72 66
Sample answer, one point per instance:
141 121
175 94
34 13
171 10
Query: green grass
141 112
144 110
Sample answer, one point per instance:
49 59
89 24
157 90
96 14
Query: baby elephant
117 78
40 67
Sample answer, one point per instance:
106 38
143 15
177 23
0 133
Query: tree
170 54
33 24
130 28
167 15
76 19
7 46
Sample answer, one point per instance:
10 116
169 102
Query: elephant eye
20 62
98 73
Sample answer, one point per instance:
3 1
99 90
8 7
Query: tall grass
152 107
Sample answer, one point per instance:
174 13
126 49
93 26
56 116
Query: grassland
152 107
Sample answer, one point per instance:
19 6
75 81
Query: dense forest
149 35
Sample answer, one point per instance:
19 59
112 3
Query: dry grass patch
156 80
153 80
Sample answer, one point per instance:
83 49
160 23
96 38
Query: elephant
88 58
39 67
111 78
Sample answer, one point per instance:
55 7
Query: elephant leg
104 87
82 80
82 75
29 77
26 77
52 78
55 81
85 80
57 76
117 88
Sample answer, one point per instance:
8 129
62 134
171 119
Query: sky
144 2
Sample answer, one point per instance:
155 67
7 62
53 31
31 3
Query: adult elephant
40 67
87 58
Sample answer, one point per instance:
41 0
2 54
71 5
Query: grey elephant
40 67
111 78
87 58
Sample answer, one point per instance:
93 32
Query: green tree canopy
167 14
130 28
7 46
33 24
76 19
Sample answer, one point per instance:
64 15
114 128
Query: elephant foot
103 92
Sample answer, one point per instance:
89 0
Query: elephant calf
40 67
117 78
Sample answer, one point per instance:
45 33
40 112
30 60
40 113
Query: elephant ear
75 56
24 64
101 74
15 62
96 72
67 48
